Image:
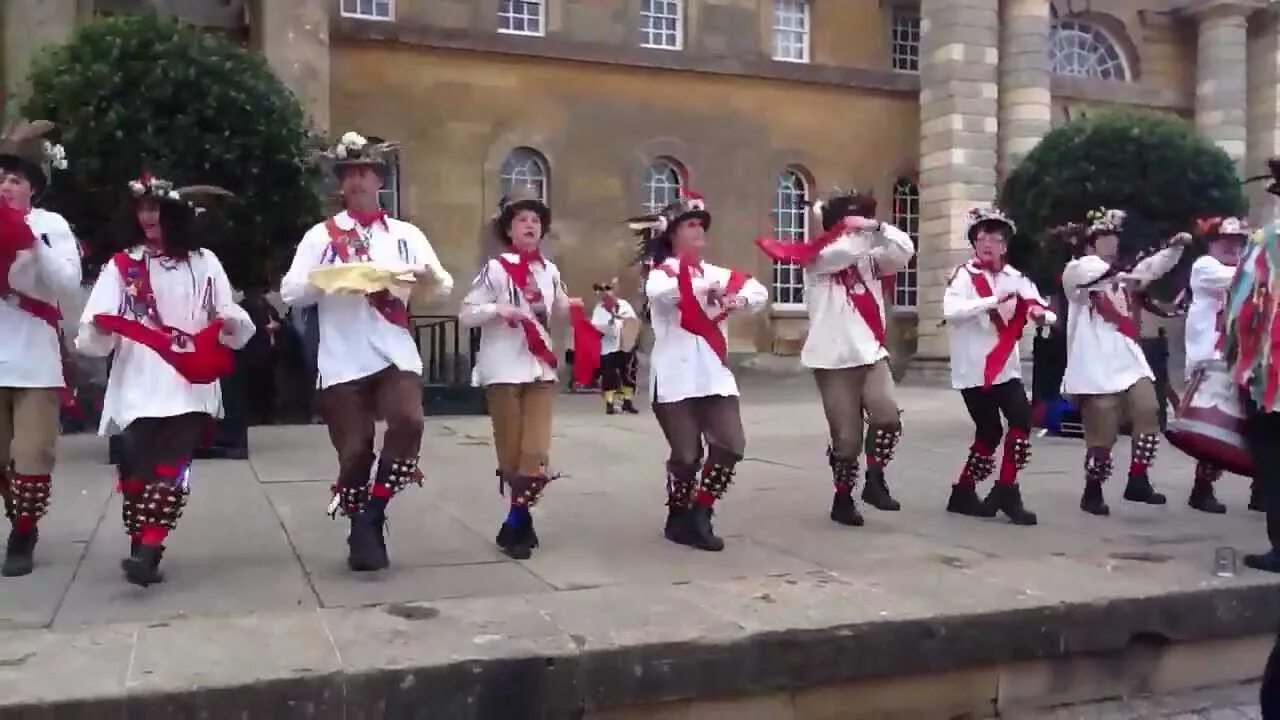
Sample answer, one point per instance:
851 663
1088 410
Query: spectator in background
260 357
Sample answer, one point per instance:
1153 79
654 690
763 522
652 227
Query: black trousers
986 406
618 371
1262 435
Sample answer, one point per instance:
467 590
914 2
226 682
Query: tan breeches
846 392
1104 414
521 416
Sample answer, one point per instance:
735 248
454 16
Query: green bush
1153 166
137 92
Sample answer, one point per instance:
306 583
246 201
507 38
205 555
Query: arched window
1081 49
791 223
525 167
906 217
662 182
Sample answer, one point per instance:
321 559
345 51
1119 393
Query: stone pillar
1026 102
1264 112
959 61
1221 88
29 26
294 38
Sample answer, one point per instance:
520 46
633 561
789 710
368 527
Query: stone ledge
562 654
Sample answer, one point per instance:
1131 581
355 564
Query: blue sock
518 516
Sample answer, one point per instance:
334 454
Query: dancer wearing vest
369 363
163 309
512 301
618 366
1106 368
39 267
986 306
845 347
693 391
1210 276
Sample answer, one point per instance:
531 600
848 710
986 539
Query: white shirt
972 332
838 336
682 365
504 355
610 324
31 354
1209 281
189 295
1100 359
355 340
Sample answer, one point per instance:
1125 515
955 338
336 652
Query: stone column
1264 112
959 61
294 38
29 26
1221 88
1026 102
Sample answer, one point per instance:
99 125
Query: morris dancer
1252 327
617 365
1210 276
164 307
1105 365
845 347
693 391
512 300
39 266
986 307
368 360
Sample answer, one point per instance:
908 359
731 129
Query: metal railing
448 351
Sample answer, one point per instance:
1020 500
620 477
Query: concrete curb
561 655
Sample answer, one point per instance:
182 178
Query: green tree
1153 166
136 92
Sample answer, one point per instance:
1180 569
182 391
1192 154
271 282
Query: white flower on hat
56 154
1232 226
697 205
137 188
353 140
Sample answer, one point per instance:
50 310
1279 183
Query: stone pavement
1236 702
255 541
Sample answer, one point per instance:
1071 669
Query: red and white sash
347 245
536 337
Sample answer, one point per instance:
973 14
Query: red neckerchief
863 300
1007 332
521 275
348 245
366 218
693 319
802 253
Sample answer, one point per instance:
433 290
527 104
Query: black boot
1266 562
142 567
1008 500
377 510
1203 499
365 544
1139 489
609 409
1255 498
19 553
844 510
629 407
701 534
1092 501
875 492
677 529
517 541
964 501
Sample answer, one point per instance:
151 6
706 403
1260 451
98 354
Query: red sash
347 244
199 358
586 346
862 299
693 319
1107 310
521 274
803 253
1008 333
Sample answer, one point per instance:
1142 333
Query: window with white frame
905 43
389 195
662 24
906 217
1081 49
662 182
369 9
521 17
791 224
525 167
791 30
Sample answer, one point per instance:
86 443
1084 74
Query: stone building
611 106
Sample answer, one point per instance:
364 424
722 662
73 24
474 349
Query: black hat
977 217
655 229
841 204
524 197
23 148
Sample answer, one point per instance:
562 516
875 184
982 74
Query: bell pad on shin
1145 447
979 465
1098 465
882 443
30 496
1019 449
348 500
162 504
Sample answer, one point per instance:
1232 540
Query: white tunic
355 340
972 332
1100 359
610 324
838 336
682 365
31 356
504 355
1209 281
189 295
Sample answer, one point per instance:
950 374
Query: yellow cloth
359 277
628 392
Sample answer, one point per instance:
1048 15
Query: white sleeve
53 261
754 294
427 257
296 288
663 288
1082 272
480 306
601 320
104 299
238 328
1156 266
960 302
894 254
1209 275
836 256
625 310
